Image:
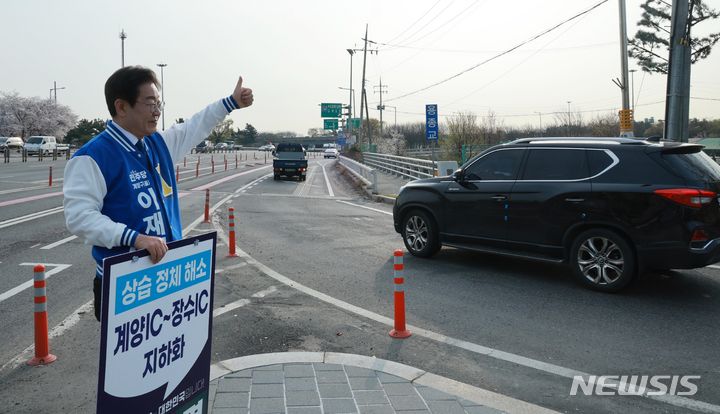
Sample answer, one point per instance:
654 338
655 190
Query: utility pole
381 107
123 36
677 104
55 89
394 111
540 115
632 89
568 124
350 100
162 91
363 95
626 115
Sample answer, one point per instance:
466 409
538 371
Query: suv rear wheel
602 260
420 234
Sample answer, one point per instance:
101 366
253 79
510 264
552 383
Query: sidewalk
335 383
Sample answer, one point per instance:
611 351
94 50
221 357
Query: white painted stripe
228 178
365 207
263 293
35 245
18 190
58 243
14 291
713 266
56 331
327 182
230 306
33 216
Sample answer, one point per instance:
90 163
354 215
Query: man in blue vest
120 190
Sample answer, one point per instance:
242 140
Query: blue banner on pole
431 122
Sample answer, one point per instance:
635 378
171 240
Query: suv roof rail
653 138
577 140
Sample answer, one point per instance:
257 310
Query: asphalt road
535 324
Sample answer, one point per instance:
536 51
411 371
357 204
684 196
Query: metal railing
412 168
362 172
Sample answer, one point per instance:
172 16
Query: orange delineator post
42 343
50 177
226 164
197 169
212 162
400 330
231 221
177 173
207 206
236 164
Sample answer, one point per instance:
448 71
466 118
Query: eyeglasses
153 106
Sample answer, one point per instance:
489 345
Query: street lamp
352 91
351 98
162 91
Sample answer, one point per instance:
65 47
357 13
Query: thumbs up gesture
243 96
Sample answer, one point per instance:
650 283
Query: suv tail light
688 196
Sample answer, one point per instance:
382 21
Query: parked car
267 147
204 146
232 146
608 207
11 143
40 144
331 153
221 146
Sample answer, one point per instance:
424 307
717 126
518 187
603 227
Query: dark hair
125 84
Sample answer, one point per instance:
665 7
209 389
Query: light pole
632 88
394 113
123 36
568 120
352 92
540 115
162 91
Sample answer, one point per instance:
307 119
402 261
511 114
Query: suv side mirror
458 175
273 153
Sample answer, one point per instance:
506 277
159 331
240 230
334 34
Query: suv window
289 148
554 164
598 161
696 166
497 165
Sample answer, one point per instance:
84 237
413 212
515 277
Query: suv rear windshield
289 148
695 166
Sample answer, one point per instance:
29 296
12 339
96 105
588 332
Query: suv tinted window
696 166
289 148
497 165
598 161
552 164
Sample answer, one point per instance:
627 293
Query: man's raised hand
243 96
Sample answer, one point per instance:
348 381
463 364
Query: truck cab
289 161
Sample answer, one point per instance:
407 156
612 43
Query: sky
293 54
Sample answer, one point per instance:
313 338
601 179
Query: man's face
141 118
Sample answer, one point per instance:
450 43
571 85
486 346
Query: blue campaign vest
142 198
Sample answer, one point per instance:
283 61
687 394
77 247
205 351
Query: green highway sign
330 124
330 110
355 122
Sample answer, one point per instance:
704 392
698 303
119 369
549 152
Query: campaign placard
157 329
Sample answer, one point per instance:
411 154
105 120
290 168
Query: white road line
17 289
365 207
558 370
33 216
35 245
713 266
263 293
18 190
56 331
327 181
230 306
58 243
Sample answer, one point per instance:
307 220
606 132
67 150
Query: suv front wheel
602 260
420 234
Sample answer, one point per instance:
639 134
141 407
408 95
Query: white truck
37 144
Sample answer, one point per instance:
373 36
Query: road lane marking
33 216
58 243
327 181
31 198
230 306
17 289
558 370
263 293
228 178
365 207
18 190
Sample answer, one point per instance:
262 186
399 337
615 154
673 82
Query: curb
375 197
413 375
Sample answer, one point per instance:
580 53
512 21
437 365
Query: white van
40 143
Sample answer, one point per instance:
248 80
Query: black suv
609 207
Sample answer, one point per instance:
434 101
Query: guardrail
412 168
361 171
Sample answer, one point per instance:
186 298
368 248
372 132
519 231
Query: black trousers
97 290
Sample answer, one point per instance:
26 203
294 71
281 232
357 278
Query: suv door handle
499 197
574 200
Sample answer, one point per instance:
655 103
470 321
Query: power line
435 17
416 21
503 53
